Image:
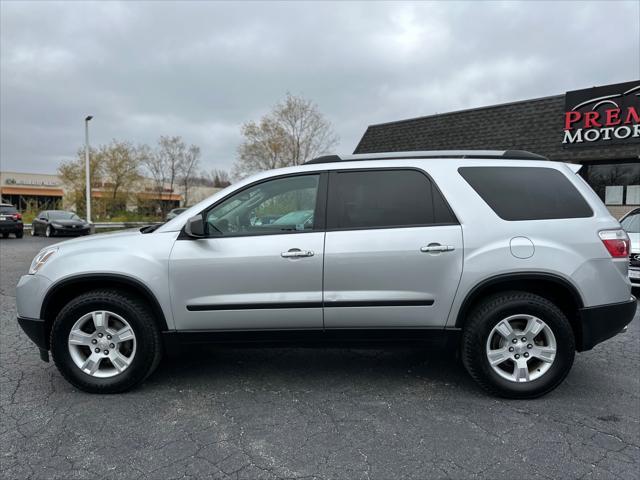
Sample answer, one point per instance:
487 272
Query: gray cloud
200 69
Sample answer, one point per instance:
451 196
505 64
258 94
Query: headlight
57 225
41 259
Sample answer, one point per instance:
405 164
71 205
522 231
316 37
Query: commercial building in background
35 192
597 127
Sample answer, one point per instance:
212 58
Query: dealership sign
602 115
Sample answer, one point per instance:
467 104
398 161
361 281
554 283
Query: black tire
19 234
136 312
49 231
34 233
5 235
487 315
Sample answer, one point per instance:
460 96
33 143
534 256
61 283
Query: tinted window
527 193
8 209
62 215
384 198
275 206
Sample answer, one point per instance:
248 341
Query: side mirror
195 227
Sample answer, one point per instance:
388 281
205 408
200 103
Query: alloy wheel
102 344
521 348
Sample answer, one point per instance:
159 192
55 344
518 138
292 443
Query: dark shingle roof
532 125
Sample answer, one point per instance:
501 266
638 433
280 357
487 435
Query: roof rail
523 155
324 159
478 154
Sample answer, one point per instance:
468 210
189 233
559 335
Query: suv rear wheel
518 345
105 341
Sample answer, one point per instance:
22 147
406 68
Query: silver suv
509 258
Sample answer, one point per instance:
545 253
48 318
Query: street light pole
86 165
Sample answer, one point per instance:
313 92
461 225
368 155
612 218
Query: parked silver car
508 257
174 213
631 224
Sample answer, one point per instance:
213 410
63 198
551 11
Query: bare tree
292 133
171 152
188 170
220 178
155 167
308 133
171 164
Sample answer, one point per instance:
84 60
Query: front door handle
436 247
296 253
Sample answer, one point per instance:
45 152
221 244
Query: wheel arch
65 290
553 287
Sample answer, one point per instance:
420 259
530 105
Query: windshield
60 215
632 223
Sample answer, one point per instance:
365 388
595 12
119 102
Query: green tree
72 174
120 163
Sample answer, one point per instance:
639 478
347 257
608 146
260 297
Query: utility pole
86 165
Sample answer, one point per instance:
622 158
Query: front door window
283 205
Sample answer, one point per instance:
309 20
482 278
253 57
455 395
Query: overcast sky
200 69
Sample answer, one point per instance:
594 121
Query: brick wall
619 210
533 125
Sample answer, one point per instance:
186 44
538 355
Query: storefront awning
32 192
156 196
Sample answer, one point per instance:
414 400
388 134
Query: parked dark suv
10 221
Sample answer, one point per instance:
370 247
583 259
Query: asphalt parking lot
298 413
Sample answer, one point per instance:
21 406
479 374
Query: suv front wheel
105 341
518 345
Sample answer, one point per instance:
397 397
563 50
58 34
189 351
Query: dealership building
597 127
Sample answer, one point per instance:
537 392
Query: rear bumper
634 276
605 321
11 227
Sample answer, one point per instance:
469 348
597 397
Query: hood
119 235
68 222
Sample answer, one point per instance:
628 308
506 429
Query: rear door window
527 193
384 198
8 210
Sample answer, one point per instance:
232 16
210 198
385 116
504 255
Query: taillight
616 242
18 216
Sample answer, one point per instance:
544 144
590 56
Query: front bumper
71 231
605 321
37 332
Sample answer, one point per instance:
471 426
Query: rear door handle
296 253
436 247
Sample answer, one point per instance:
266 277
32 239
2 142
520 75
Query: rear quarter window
527 193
